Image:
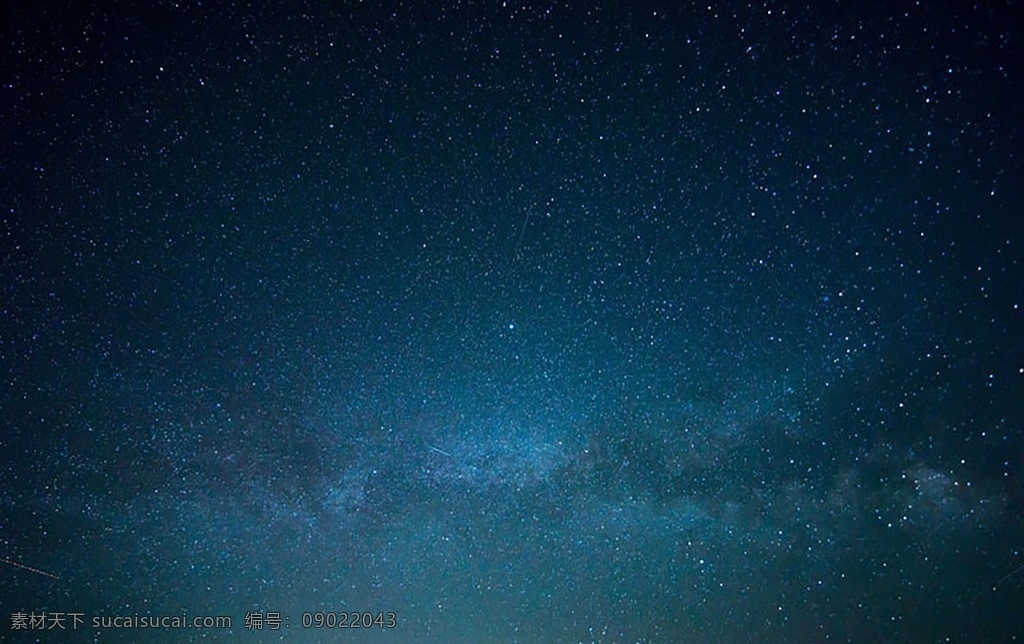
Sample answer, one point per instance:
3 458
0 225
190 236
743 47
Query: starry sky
527 322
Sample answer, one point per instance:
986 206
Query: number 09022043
349 619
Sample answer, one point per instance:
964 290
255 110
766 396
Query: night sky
525 322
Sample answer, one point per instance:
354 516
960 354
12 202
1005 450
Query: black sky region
525 322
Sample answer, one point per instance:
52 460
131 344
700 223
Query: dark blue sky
524 322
